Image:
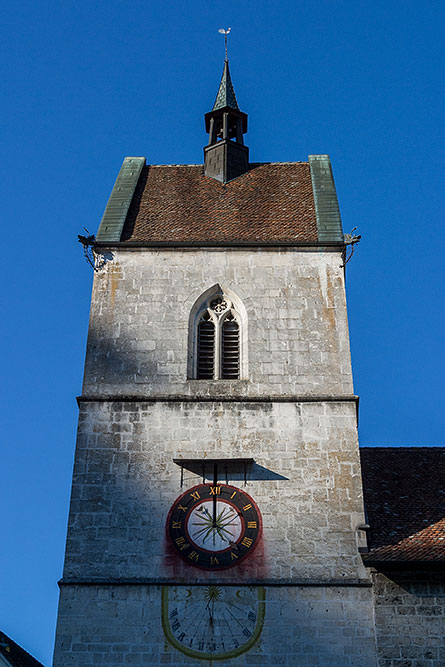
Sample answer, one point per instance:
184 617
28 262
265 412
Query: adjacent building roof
405 503
14 654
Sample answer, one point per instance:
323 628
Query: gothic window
217 340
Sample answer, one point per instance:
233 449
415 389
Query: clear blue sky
87 83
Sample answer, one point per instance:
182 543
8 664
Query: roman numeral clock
213 527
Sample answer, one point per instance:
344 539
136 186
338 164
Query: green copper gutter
113 219
326 203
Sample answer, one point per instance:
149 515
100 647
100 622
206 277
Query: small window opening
230 349
206 348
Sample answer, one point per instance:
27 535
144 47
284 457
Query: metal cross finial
225 33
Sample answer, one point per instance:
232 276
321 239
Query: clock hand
210 614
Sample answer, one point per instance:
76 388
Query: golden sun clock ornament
214 526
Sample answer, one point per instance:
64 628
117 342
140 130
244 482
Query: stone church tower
216 510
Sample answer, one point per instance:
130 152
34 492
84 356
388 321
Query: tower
216 510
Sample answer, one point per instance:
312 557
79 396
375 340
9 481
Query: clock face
214 527
212 622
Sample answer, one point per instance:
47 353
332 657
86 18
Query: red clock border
217 560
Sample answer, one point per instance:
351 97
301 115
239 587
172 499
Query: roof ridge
251 164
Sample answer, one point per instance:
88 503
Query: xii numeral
215 490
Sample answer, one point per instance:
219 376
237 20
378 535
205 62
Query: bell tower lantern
226 156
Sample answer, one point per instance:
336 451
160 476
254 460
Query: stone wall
302 626
306 482
296 309
410 617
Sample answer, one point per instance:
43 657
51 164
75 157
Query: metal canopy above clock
213 468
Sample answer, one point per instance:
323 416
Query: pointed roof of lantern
226 94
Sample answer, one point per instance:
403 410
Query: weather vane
225 33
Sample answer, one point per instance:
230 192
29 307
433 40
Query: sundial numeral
246 632
176 625
233 555
181 507
193 556
214 560
176 524
247 542
233 495
251 616
215 490
181 636
195 495
251 524
174 613
247 507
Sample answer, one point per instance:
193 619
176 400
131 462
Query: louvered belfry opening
230 349
206 348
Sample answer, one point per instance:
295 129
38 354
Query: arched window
216 330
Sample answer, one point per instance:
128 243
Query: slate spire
226 94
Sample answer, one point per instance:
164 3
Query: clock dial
212 622
214 526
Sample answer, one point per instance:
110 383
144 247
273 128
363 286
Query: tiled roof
15 654
405 503
272 202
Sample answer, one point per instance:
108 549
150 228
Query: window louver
206 348
230 349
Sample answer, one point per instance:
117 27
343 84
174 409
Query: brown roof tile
405 503
273 202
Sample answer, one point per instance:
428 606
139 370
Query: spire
225 156
226 94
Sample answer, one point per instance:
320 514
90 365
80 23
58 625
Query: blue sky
85 84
